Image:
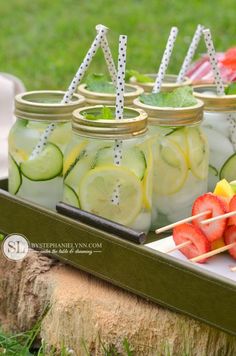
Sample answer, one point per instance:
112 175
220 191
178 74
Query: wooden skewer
212 253
190 218
233 269
223 216
178 247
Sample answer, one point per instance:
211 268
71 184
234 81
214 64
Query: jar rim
166 86
98 95
127 127
34 105
168 116
225 103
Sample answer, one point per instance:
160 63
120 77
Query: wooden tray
168 280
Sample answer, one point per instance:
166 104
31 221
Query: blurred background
44 41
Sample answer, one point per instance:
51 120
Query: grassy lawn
44 41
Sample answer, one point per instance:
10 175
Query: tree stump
86 310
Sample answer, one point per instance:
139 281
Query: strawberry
232 207
230 237
199 242
216 206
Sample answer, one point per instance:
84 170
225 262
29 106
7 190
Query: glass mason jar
39 178
180 155
97 180
169 83
96 98
219 124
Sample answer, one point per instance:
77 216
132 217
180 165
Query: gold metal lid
96 98
133 124
46 105
167 116
169 83
226 103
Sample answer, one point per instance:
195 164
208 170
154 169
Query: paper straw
120 87
214 64
72 88
189 56
165 60
108 57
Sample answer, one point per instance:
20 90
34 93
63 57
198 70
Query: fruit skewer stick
190 218
207 221
216 218
213 253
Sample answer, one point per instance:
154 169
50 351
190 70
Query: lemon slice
198 152
97 188
171 168
180 138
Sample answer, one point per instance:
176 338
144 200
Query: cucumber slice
133 158
213 171
228 170
70 196
83 163
47 165
15 179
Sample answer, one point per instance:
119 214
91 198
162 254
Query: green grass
44 41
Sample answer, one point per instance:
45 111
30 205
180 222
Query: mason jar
38 178
169 83
97 98
180 154
108 167
219 125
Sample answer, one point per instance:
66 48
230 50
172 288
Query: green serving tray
156 276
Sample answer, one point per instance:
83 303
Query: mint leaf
178 98
152 99
182 97
105 114
141 78
98 82
89 116
231 89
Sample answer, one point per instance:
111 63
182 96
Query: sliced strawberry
232 207
199 242
230 237
214 204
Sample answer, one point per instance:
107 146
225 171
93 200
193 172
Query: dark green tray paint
151 274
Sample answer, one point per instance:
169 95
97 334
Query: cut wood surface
84 309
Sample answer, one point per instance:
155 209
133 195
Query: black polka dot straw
165 60
117 158
121 76
73 85
42 141
214 64
84 65
108 57
189 56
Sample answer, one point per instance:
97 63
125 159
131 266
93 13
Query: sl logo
15 247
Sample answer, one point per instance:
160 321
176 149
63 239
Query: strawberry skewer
230 241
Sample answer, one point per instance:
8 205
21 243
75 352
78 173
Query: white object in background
9 87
